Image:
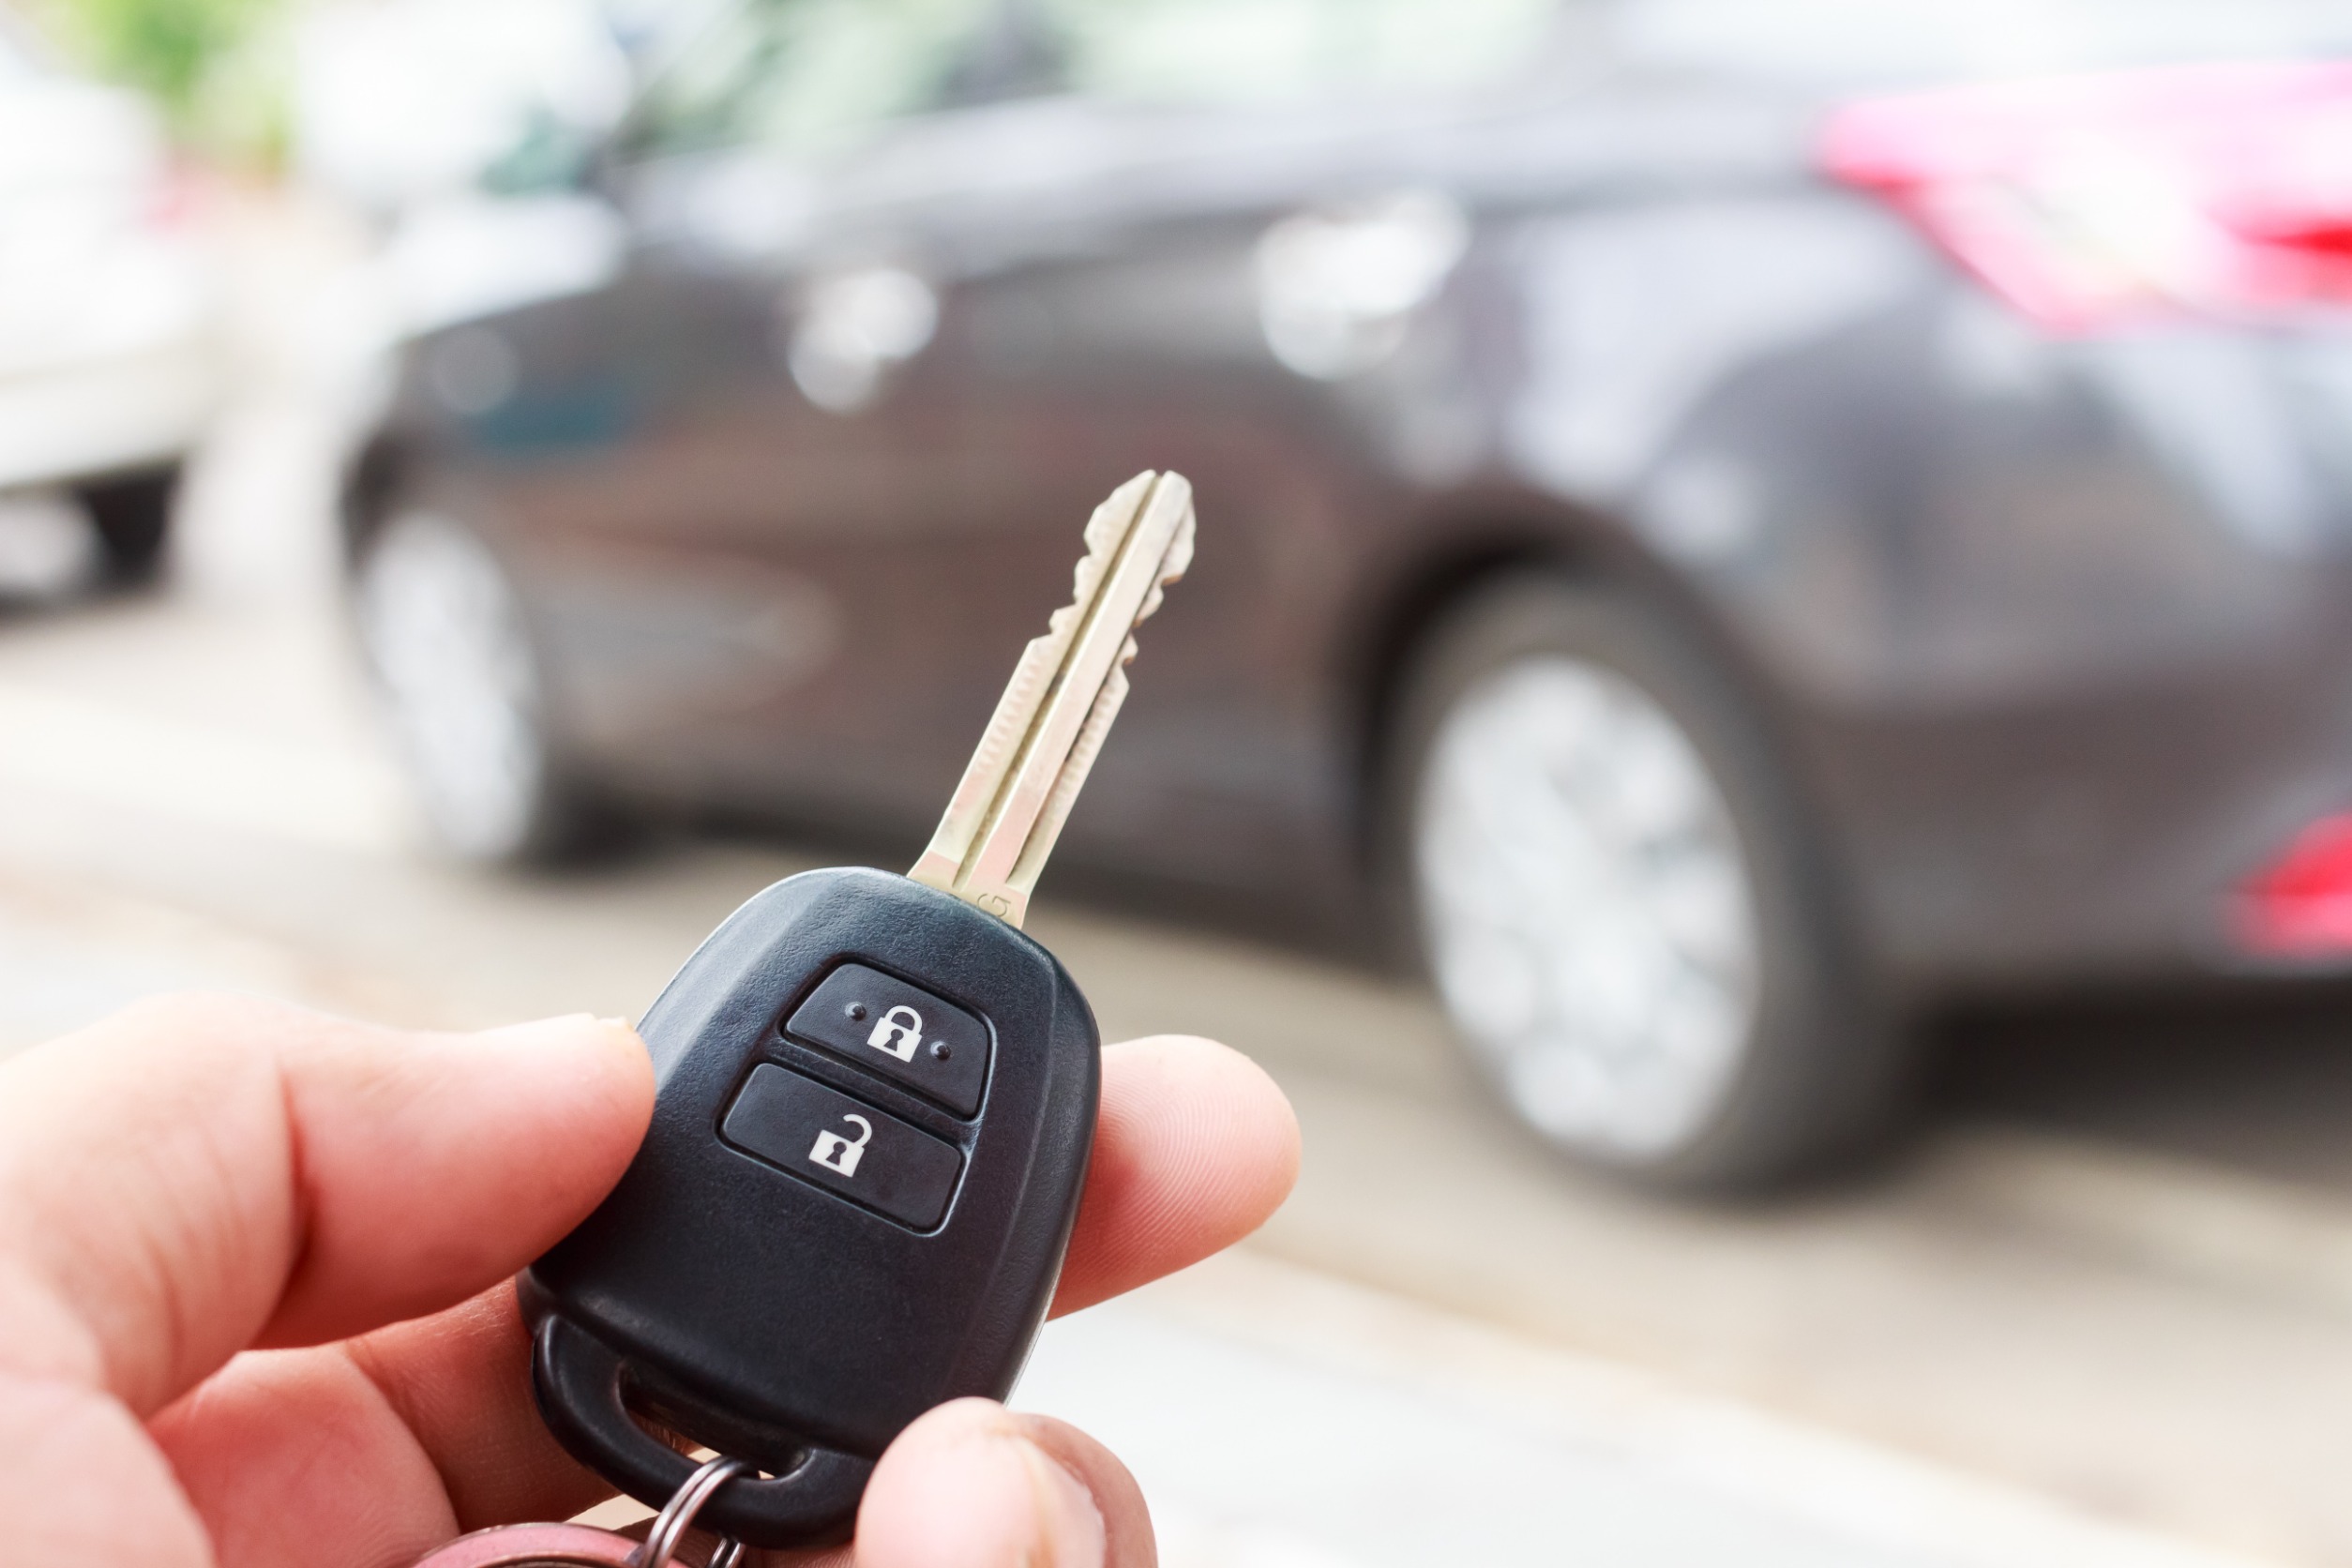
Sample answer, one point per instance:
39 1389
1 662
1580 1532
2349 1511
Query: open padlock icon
836 1152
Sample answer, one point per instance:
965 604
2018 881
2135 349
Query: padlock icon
836 1152
899 1039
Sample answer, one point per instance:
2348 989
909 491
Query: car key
876 1104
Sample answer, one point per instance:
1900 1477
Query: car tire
1616 898
131 517
449 641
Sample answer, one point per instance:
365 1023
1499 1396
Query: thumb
972 1484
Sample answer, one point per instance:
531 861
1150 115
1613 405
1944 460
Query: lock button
903 1032
843 1145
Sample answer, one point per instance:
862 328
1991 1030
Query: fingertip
591 1075
598 1059
972 1485
1241 1094
1213 1075
1196 1146
1223 1113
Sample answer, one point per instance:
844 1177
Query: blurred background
1760 735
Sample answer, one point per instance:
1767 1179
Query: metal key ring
678 1513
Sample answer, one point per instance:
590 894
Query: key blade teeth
1107 528
977 814
1005 872
1179 558
1172 568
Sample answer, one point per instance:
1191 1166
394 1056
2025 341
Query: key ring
678 1513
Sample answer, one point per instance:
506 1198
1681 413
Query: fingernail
1019 1508
1070 1526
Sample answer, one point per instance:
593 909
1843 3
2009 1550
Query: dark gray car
1707 532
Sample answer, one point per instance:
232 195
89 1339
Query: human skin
257 1309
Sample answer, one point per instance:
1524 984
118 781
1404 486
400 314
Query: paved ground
2102 1311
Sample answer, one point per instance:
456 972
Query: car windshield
1840 42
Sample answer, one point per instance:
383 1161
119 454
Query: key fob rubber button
843 1145
903 1032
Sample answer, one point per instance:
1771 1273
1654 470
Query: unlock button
843 1145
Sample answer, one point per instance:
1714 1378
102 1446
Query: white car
111 361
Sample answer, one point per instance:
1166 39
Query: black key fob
875 1110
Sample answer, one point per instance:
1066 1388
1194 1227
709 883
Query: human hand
256 1299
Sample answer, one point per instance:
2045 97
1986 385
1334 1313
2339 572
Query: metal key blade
1048 726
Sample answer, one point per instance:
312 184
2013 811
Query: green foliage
174 50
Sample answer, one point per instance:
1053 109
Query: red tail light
2300 904
2088 202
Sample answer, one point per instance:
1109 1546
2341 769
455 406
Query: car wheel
131 517
1616 899
445 633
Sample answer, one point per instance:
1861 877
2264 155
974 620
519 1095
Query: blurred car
112 363
1720 522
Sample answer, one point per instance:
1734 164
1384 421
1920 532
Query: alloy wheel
1587 908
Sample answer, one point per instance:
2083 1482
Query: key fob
875 1109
